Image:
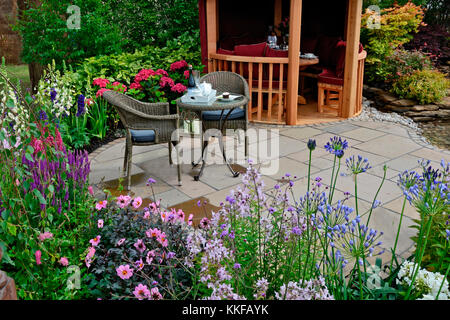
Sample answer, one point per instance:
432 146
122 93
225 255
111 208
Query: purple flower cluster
66 171
357 165
336 146
81 106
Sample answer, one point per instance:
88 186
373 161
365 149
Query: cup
226 95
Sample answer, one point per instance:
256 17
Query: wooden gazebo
276 95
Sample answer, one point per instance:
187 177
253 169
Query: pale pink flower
121 241
137 202
139 264
152 233
140 246
64 261
141 292
38 255
162 239
154 294
101 205
180 215
95 241
164 216
124 272
91 190
17 182
91 252
190 219
45 236
150 255
100 223
123 201
146 214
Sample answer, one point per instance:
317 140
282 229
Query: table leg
202 159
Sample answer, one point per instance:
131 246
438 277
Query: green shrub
404 62
424 86
396 27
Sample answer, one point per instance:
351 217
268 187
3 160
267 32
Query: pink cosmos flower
137 202
89 256
139 264
152 233
166 81
91 190
121 241
95 241
154 206
100 223
45 236
101 205
123 201
180 215
140 245
162 239
124 272
64 261
150 255
204 223
179 88
146 214
190 219
38 255
154 294
141 292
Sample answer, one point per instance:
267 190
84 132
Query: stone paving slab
382 143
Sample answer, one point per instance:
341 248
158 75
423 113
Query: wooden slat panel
225 67
248 59
260 101
280 93
214 65
241 68
269 107
233 66
250 83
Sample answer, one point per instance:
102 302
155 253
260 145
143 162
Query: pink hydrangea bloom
178 65
100 92
144 74
45 236
162 72
100 82
166 81
100 223
64 261
95 241
137 202
119 87
135 85
186 74
141 292
38 255
123 201
124 272
178 88
101 205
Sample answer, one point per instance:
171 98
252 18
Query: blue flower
81 109
311 144
357 166
53 94
336 146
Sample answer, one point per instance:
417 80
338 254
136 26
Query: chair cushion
237 113
142 135
276 67
224 51
326 50
330 77
250 50
340 57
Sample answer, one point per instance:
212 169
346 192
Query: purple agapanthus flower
336 146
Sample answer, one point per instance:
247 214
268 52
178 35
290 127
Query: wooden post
351 58
278 13
211 29
294 61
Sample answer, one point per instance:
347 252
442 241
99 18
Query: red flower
135 85
186 74
166 81
179 88
144 74
162 72
178 65
100 92
100 82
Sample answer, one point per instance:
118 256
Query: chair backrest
225 81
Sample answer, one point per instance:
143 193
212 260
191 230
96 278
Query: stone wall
10 42
419 113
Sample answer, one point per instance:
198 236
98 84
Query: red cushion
330 77
250 50
340 57
308 45
276 67
224 51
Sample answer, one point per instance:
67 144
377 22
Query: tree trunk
36 71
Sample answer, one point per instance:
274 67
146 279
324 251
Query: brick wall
10 42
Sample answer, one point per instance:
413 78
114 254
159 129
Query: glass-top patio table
193 111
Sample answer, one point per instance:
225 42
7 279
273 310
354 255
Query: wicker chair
146 124
224 81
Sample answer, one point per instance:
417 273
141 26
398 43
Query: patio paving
382 143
